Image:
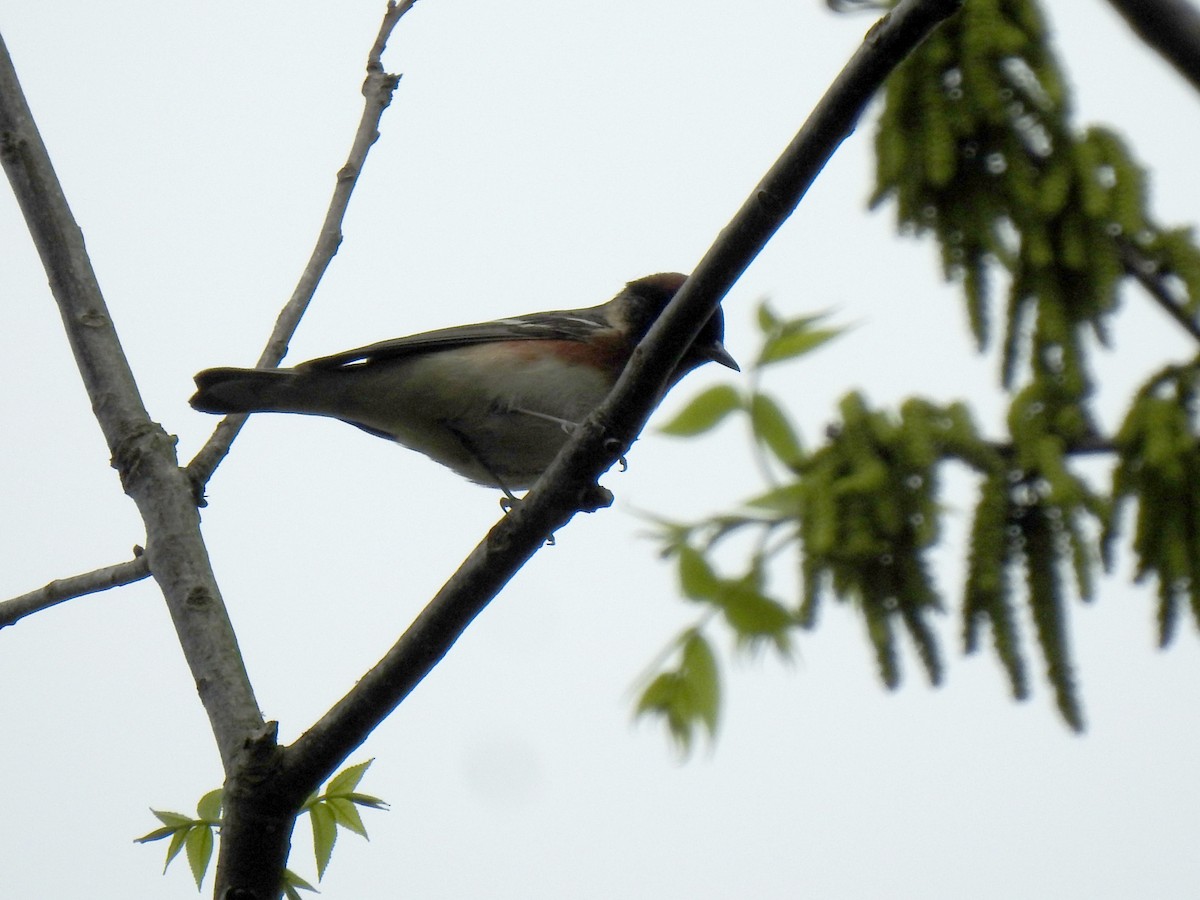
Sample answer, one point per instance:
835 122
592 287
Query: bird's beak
717 353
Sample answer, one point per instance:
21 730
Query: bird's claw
611 444
509 502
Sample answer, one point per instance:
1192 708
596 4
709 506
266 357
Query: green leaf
699 670
346 815
770 324
754 616
172 818
704 412
665 696
157 834
199 851
925 639
347 780
209 807
293 882
1046 603
768 321
660 694
689 696
367 800
177 842
696 578
987 596
879 630
771 426
790 345
324 829
785 500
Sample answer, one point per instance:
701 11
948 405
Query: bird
493 401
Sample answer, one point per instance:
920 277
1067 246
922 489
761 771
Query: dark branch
141 451
377 89
1147 275
62 589
571 481
1172 27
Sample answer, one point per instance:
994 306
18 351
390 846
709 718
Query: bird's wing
568 325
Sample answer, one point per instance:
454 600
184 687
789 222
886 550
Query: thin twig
1143 270
377 90
595 446
62 589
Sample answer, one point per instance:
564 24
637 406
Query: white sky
537 155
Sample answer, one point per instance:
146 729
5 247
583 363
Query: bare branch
1172 27
1148 277
569 484
62 589
377 90
142 452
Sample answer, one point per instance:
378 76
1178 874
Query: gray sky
537 155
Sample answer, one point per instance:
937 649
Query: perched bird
495 402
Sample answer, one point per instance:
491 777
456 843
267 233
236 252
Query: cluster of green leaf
1159 466
336 806
1035 509
976 147
197 834
687 697
863 512
865 508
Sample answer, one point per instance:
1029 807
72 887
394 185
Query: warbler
494 401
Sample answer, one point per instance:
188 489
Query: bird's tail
229 390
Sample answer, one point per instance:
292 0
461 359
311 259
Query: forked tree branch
255 837
569 485
377 89
142 452
266 786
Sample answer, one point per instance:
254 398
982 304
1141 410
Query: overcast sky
538 154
